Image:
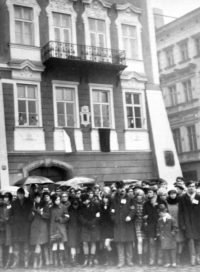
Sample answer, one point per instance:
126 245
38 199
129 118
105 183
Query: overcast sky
175 8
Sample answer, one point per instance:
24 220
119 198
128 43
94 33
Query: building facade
178 48
80 89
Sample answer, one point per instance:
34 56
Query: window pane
130 122
95 96
61 120
31 92
104 97
18 32
66 21
129 111
138 122
92 25
137 112
106 122
128 99
70 120
21 91
136 98
132 31
21 106
101 26
28 14
101 40
105 110
57 34
32 106
56 19
60 108
97 121
22 119
97 110
70 108
124 30
33 119
18 10
28 33
59 94
93 39
68 95
66 34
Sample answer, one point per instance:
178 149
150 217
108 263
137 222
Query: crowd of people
146 223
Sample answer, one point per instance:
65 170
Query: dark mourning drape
104 138
70 133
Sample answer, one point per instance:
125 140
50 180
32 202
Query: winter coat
189 216
7 211
167 232
120 209
74 227
90 217
2 225
20 220
59 218
39 227
106 223
152 217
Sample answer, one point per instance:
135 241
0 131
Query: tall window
129 37
27 105
173 95
192 138
170 57
187 90
101 108
65 101
177 139
62 27
184 51
197 45
133 110
24 30
97 29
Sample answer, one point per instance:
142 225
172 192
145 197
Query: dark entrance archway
54 173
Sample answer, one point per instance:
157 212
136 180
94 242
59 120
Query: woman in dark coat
106 226
58 231
74 229
90 233
2 230
7 208
39 228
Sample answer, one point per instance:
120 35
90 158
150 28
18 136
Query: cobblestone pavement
111 269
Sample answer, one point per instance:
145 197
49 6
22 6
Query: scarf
172 201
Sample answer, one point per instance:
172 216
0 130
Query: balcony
81 55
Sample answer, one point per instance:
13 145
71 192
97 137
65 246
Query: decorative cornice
182 41
104 3
128 6
29 3
137 76
26 63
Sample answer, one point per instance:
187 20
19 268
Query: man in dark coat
20 224
189 220
150 216
122 213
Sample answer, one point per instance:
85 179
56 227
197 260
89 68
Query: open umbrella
33 180
12 190
77 181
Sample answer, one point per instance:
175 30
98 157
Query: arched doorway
50 168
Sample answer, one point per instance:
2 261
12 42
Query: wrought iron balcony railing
61 50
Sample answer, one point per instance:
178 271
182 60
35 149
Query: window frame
184 53
177 139
192 138
61 28
36 12
197 45
143 109
135 55
170 57
39 106
66 84
173 95
101 87
188 95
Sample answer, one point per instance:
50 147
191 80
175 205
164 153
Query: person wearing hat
166 231
189 220
74 229
19 217
180 189
122 214
90 232
172 204
150 216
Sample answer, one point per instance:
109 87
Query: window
177 139
187 90
197 45
101 108
173 95
24 29
170 57
62 27
133 110
129 37
97 29
192 138
184 51
65 102
27 105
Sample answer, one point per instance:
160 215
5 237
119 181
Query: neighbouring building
80 89
178 49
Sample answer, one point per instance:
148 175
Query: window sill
102 128
25 46
135 130
184 61
27 127
60 128
197 56
170 67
